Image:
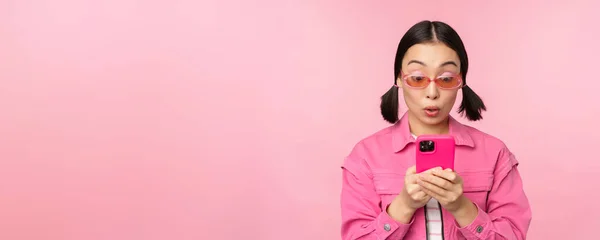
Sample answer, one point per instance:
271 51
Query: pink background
185 120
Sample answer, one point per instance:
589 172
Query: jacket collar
401 135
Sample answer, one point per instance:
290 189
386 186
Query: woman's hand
410 198
446 186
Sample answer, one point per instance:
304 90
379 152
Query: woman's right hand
410 198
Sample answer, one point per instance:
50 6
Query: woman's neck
419 128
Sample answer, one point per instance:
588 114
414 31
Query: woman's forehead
432 55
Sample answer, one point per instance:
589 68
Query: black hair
432 31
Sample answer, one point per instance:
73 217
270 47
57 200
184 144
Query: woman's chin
434 120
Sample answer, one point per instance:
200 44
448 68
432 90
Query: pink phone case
440 155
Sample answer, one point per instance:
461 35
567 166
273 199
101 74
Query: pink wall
156 120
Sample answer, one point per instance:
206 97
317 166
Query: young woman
382 195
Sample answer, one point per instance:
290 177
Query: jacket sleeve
509 213
362 215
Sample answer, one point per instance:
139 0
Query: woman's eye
417 78
447 79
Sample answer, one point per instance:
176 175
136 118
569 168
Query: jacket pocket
476 187
388 186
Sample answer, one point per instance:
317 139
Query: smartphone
434 151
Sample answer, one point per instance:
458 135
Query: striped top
433 218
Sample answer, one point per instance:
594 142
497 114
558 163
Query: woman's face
429 104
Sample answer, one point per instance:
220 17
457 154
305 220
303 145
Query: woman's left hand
446 186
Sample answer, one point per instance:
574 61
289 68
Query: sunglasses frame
405 76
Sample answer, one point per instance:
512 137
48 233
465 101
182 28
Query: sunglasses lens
449 82
417 81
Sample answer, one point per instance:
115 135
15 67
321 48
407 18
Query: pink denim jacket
373 174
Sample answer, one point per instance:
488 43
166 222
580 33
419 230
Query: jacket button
479 229
387 227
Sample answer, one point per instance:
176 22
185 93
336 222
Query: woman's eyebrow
417 62
441 65
449 63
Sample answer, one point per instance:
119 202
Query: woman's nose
432 91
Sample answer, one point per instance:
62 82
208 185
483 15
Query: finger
411 170
413 189
420 195
428 187
437 181
447 175
432 169
413 178
432 194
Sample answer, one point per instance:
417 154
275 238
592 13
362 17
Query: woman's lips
432 111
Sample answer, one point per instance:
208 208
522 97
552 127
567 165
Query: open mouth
432 111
